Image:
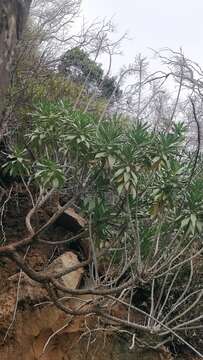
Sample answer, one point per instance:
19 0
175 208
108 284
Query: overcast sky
153 24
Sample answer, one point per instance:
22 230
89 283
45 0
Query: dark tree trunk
13 15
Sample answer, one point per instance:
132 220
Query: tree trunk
13 15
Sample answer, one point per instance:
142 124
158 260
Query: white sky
153 24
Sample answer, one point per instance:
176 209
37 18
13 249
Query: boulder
63 262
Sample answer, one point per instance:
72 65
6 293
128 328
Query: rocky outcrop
31 291
63 262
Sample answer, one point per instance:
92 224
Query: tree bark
13 15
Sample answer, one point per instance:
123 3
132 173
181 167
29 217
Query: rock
71 220
80 220
65 261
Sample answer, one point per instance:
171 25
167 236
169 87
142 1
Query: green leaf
199 226
120 188
70 137
127 185
55 183
193 220
133 191
126 177
185 222
82 137
111 161
119 172
100 155
135 179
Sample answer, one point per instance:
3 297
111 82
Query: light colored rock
63 262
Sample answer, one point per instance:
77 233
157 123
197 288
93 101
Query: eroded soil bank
40 331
